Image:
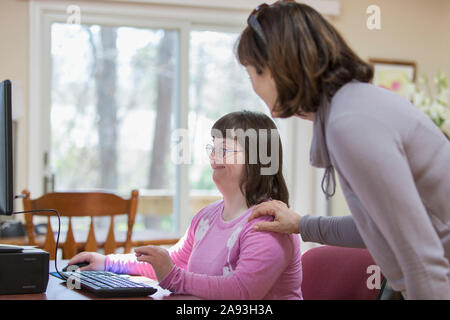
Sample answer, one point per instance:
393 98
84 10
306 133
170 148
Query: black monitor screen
6 174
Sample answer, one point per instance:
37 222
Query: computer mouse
75 266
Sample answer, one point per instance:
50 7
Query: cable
57 237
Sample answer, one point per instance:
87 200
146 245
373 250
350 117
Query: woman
392 161
221 256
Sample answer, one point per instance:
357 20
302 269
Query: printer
23 270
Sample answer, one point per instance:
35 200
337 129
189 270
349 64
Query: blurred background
100 86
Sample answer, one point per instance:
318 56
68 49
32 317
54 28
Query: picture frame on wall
394 75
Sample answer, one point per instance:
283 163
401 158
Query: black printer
23 270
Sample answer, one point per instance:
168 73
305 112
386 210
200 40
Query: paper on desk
159 294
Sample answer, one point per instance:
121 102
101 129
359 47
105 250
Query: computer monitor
6 158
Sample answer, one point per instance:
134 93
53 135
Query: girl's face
228 163
264 85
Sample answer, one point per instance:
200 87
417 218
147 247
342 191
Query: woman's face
228 163
264 86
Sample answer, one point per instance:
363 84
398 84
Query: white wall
14 66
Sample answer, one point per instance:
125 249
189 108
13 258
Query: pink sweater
219 259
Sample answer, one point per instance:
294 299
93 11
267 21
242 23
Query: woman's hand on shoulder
285 219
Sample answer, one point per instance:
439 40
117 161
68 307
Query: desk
57 290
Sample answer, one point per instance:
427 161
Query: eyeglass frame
209 147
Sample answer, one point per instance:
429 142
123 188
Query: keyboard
107 284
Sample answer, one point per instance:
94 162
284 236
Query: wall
410 30
444 34
415 30
14 66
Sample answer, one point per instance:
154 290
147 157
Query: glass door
113 108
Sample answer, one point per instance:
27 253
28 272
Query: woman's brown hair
308 59
256 187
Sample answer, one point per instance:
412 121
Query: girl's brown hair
308 59
256 187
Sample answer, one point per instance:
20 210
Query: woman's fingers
285 220
264 209
268 208
273 226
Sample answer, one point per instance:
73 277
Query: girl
221 256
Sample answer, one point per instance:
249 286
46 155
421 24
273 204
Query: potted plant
435 104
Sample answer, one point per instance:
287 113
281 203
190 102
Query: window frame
182 19
195 15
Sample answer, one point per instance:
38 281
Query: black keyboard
107 284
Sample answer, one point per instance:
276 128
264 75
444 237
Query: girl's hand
286 220
96 261
158 257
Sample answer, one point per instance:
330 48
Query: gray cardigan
394 168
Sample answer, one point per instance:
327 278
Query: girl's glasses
219 152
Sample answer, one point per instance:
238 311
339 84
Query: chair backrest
337 273
81 204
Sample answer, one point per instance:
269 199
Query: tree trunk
165 86
106 85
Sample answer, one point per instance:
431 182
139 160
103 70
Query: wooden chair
81 204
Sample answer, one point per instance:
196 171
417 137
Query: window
205 79
112 110
218 85
112 107
113 88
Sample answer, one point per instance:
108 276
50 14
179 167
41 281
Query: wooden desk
57 290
